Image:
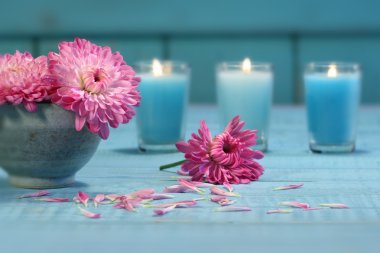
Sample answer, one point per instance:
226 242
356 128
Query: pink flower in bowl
94 83
22 80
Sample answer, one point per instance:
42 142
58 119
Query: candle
164 92
245 89
332 94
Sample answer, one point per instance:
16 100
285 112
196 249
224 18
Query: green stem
171 165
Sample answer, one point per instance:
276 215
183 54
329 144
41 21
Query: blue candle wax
248 95
332 104
160 116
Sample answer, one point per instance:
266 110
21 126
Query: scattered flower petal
221 192
335 205
81 197
222 200
202 184
279 211
128 203
288 187
217 198
99 199
311 209
143 194
190 186
53 199
34 194
178 204
176 189
89 214
233 209
295 204
228 186
160 212
160 196
113 197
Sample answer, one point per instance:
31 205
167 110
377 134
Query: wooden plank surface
118 167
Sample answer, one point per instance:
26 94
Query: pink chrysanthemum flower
225 159
94 83
21 80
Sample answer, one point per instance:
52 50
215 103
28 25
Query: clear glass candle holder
332 94
164 89
245 89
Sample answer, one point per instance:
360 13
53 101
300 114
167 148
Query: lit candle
160 116
332 92
245 89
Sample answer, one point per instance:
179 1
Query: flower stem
171 165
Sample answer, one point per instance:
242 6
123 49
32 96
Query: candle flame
332 72
246 66
157 68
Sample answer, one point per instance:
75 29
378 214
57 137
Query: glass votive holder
332 94
164 89
245 89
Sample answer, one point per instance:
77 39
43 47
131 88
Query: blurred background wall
287 33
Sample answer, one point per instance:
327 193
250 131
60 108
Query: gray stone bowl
43 149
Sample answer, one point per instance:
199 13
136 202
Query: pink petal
258 154
98 199
295 204
30 106
178 204
144 193
228 186
79 122
81 197
128 204
287 187
160 196
279 211
222 200
182 173
89 214
183 147
160 212
202 185
113 197
334 205
53 199
311 209
217 198
175 189
233 209
218 191
104 132
190 186
34 194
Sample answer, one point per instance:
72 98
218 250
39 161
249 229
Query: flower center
230 145
95 81
96 77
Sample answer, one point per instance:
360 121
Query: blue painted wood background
287 33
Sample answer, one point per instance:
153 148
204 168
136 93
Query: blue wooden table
30 226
